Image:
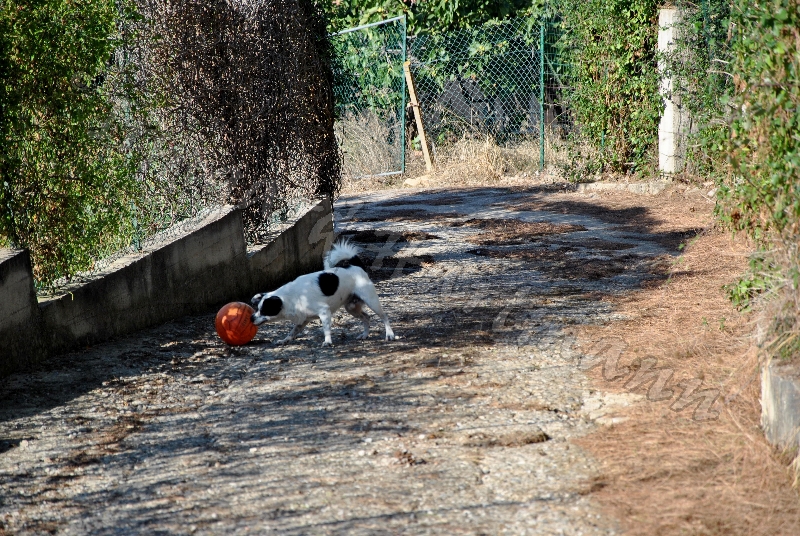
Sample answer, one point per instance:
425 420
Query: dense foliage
762 192
66 182
428 16
611 47
758 150
699 66
245 95
119 118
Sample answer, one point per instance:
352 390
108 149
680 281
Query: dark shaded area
392 266
561 263
635 219
8 444
505 232
673 240
410 215
439 200
595 244
372 236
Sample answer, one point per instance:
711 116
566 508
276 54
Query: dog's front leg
325 318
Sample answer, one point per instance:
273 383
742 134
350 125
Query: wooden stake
417 116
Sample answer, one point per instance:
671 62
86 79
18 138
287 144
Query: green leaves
65 178
611 45
429 16
763 186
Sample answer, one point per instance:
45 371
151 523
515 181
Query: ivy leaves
611 45
762 193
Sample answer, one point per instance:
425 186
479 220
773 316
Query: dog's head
267 308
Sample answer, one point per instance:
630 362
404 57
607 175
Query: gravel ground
461 426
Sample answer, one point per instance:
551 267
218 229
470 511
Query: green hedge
428 16
65 182
611 46
761 193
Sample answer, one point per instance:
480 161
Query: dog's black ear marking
271 306
328 283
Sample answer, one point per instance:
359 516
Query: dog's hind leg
296 330
370 297
325 318
354 307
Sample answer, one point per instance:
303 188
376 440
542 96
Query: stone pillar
674 121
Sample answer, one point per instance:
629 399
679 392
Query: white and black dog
343 282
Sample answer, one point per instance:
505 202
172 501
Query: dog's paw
362 336
327 343
390 337
282 341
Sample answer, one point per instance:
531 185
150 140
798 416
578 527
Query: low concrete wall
780 403
297 250
20 323
198 267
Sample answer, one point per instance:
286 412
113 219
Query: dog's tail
343 254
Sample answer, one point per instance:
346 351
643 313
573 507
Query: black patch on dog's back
353 261
328 283
271 306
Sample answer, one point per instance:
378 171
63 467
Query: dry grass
779 318
470 162
665 473
363 141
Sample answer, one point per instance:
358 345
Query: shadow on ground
171 429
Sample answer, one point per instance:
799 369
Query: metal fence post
403 101
541 95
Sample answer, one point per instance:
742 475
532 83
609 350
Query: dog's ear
255 299
271 306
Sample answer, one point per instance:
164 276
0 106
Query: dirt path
465 425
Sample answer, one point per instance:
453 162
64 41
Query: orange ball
234 325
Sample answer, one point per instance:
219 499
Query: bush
245 96
759 177
761 193
118 120
611 46
66 182
428 16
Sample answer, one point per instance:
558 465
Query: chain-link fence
370 97
501 81
480 81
